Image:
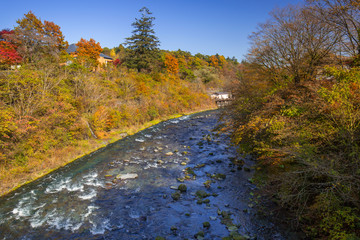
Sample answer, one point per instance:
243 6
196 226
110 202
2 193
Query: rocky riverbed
176 180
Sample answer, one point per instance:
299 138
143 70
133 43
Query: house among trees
220 95
102 59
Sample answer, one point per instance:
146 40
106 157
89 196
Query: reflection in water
125 190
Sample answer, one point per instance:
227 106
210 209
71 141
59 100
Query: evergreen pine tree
143 44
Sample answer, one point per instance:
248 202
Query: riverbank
13 178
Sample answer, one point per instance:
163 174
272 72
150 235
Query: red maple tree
8 54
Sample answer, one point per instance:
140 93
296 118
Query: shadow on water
128 190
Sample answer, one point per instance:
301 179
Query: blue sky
197 26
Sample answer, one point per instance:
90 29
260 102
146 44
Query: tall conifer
143 44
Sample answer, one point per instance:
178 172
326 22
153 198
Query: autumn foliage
36 39
297 112
8 54
88 50
171 64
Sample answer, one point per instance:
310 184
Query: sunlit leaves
171 64
88 51
36 39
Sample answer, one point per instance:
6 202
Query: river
128 190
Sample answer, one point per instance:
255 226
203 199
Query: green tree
143 44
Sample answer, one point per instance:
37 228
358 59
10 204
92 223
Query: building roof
105 56
220 93
72 48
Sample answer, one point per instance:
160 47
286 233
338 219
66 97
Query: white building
220 96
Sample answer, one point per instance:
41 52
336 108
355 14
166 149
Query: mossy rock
225 214
175 196
160 238
206 201
207 184
182 188
173 228
237 236
232 228
220 176
238 162
190 171
227 238
200 165
180 179
201 194
199 234
206 224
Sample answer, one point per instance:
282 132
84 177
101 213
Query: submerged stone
175 196
182 188
220 176
207 184
126 176
201 194
232 228
200 165
180 179
206 224
199 234
169 154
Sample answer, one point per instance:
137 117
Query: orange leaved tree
88 52
171 63
36 39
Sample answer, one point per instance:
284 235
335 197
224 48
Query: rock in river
182 188
126 176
